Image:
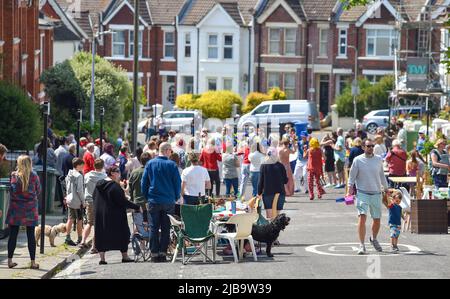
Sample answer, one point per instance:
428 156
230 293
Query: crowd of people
174 168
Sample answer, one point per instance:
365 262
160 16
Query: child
392 201
75 200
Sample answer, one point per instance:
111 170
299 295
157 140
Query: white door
169 95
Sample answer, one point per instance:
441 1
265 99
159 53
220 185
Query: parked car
179 121
282 112
380 118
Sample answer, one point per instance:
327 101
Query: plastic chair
196 230
243 223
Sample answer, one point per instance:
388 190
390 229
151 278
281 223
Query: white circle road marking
333 249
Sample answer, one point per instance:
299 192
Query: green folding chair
196 230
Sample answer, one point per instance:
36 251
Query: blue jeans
231 182
159 242
254 176
440 181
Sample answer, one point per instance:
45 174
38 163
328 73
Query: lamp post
102 114
92 102
355 81
46 111
312 89
80 119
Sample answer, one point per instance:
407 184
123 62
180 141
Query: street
320 242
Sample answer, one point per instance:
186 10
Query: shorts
90 213
75 214
268 201
395 231
369 202
339 166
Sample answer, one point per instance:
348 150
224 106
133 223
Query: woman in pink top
209 158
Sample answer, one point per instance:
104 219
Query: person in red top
209 158
89 159
396 159
314 168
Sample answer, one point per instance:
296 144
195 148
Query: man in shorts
339 157
367 175
75 200
90 181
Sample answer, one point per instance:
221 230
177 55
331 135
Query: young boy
392 201
75 199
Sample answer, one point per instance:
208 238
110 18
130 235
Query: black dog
268 233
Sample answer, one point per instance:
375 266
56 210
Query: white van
281 112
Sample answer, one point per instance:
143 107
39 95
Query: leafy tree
253 100
20 125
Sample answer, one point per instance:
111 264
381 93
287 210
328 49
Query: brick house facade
26 46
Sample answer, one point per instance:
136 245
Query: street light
355 81
92 103
312 89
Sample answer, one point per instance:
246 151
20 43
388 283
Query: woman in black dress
328 144
111 223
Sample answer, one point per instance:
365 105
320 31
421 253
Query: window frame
166 44
286 41
268 80
188 84
115 34
187 45
223 83
131 43
323 45
270 40
393 36
212 46
208 81
225 46
292 88
342 37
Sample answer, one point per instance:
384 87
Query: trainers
70 242
395 249
376 245
296 190
362 249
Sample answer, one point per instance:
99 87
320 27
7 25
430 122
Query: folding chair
196 230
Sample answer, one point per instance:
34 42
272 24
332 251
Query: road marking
350 249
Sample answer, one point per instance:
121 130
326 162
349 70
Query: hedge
213 104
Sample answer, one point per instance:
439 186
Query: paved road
311 247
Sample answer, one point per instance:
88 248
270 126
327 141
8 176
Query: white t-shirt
195 178
256 160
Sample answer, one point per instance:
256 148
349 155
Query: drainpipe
198 59
155 67
259 56
249 59
305 89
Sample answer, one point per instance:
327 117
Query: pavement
320 242
51 262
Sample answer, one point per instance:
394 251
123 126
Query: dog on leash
50 231
268 233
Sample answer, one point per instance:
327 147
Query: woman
380 148
284 152
209 158
111 223
230 164
355 151
328 144
194 181
256 158
108 156
441 164
272 178
314 168
25 189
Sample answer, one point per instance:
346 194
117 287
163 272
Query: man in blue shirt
161 185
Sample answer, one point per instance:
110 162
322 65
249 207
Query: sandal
12 265
34 267
93 251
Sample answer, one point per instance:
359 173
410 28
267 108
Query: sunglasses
370 146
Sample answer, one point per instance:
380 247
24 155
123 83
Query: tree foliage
20 125
69 86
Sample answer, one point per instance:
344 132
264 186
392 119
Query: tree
20 127
69 86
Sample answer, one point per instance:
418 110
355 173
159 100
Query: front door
324 94
169 95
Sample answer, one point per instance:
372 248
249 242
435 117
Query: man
195 180
123 160
360 132
89 159
172 134
68 158
161 185
368 177
300 172
401 136
60 154
421 141
75 200
136 194
90 181
396 159
339 156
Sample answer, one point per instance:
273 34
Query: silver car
281 112
375 119
179 121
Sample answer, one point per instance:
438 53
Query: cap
422 131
